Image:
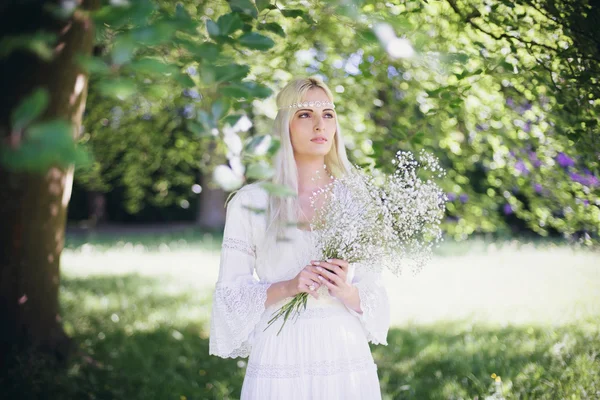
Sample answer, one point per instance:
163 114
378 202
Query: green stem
292 307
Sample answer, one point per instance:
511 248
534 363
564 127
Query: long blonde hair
283 211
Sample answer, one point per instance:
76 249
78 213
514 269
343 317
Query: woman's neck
312 175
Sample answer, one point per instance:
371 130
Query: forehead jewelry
309 104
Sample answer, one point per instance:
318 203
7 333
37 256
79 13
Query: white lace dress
324 354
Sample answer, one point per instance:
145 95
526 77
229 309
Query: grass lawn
503 320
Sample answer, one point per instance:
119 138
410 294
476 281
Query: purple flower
564 160
537 187
578 178
512 153
534 159
593 181
451 196
464 198
508 209
510 102
392 72
192 70
586 180
527 127
521 167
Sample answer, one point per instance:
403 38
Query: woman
324 353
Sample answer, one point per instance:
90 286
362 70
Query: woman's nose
319 124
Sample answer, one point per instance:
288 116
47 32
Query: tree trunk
211 211
97 208
33 207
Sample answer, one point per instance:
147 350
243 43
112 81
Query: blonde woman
324 353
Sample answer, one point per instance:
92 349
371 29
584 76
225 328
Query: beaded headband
310 104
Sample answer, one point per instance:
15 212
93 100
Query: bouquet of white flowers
389 220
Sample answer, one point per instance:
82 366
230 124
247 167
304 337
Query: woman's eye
304 115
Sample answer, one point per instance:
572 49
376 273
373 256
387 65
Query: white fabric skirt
323 354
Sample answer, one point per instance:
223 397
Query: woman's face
310 123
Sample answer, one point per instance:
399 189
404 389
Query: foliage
505 93
483 102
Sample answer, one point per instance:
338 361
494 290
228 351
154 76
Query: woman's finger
312 275
307 283
329 275
331 286
336 269
345 265
332 267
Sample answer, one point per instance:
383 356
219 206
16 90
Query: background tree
41 119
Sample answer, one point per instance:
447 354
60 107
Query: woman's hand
336 281
307 281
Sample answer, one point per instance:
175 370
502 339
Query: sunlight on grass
502 322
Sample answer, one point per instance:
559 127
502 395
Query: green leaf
292 13
46 144
158 92
153 66
197 129
367 36
258 145
460 58
274 147
207 51
123 49
114 17
157 33
257 90
235 91
120 88
262 4
181 12
92 65
219 109
206 120
246 90
229 23
243 6
30 108
418 138
185 80
231 72
40 43
207 74
260 170
256 41
213 29
273 27
278 190
183 20
232 119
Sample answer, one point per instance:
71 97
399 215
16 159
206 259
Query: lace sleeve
374 303
239 298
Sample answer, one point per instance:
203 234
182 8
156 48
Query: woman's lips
319 140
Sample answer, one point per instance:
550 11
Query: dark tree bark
211 210
33 207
